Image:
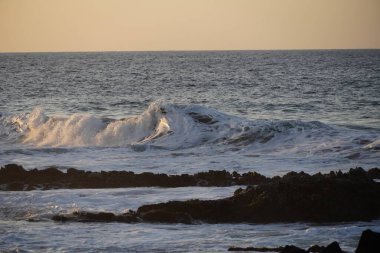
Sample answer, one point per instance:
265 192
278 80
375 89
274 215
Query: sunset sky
149 25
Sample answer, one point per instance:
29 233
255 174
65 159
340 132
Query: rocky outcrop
369 242
374 173
257 249
331 248
14 177
82 216
295 197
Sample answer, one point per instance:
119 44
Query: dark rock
374 173
83 216
261 249
293 197
16 186
214 178
72 172
12 171
252 178
163 216
238 249
369 242
315 249
59 217
358 173
52 178
99 217
332 248
313 199
292 249
46 175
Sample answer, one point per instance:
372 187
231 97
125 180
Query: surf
171 126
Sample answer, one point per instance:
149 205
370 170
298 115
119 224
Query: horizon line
190 50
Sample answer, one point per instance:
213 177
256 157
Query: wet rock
315 249
215 178
332 248
374 173
369 242
82 216
16 186
53 178
251 178
292 249
12 171
257 249
12 176
72 172
305 198
163 216
51 174
332 197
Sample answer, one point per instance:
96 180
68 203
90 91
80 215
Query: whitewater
181 112
169 133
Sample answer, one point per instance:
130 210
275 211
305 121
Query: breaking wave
161 125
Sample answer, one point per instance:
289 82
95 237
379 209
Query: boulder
292 249
369 242
332 248
315 249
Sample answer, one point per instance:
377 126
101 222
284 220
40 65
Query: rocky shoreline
369 242
295 197
14 177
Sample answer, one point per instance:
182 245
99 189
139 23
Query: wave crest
162 125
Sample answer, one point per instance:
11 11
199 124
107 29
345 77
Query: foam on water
164 125
169 132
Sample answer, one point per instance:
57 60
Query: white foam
84 130
182 138
161 125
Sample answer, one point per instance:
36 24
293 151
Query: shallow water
181 112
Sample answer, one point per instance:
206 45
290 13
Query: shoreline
369 242
294 197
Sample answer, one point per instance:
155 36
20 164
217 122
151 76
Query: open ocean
181 112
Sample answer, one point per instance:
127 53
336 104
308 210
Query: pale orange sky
140 25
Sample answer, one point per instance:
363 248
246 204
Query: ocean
181 112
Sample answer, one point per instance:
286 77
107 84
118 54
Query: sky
162 25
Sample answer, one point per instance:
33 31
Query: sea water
181 112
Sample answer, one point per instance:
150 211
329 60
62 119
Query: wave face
175 138
161 125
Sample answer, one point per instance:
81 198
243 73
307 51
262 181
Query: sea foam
187 131
161 125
